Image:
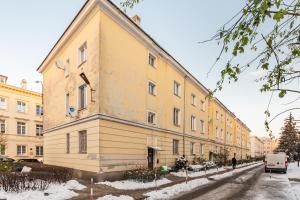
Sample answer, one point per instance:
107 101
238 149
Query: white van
276 162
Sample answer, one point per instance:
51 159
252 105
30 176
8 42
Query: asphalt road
252 184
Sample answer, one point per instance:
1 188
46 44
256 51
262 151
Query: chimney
24 84
137 19
3 79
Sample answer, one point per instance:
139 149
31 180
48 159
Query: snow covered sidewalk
54 192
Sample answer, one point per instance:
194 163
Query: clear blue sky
30 28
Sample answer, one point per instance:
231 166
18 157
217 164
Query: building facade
270 144
123 101
257 147
21 121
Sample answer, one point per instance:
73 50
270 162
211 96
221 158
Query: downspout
184 96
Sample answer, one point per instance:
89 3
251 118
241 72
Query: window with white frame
39 150
21 106
151 118
217 115
193 99
176 88
221 134
202 150
202 105
2 126
39 110
82 142
151 88
151 60
67 102
82 90
39 129
202 126
2 149
3 104
175 147
176 116
68 143
21 150
82 53
192 148
21 128
193 123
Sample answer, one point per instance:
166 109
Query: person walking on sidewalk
233 161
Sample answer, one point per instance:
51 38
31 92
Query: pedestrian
233 162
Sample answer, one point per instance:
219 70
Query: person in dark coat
233 161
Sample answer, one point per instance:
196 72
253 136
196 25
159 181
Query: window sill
82 109
82 153
177 125
177 95
82 63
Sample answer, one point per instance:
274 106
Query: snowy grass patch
111 197
54 192
132 185
174 190
196 174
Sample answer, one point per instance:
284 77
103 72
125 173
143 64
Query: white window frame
202 126
82 144
22 153
193 99
192 148
82 54
151 88
22 107
175 148
79 97
152 59
202 105
176 88
22 128
154 117
202 149
193 123
39 150
39 129
176 116
39 112
3 103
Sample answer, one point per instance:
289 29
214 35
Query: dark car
6 159
29 160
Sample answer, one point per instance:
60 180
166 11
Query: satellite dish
59 64
72 111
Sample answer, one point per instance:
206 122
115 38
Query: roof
18 89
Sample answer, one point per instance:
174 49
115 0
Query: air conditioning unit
72 111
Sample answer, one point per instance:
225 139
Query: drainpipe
184 94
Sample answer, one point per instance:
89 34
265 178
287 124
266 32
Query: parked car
276 162
6 159
29 160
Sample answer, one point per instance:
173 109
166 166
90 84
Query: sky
29 29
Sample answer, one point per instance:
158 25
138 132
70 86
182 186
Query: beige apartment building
115 99
257 147
21 122
270 144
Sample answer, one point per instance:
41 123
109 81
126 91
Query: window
151 118
39 129
67 103
2 126
68 143
82 97
217 115
21 150
2 149
202 128
176 116
193 123
176 88
151 88
221 134
202 105
193 99
192 148
39 150
67 68
202 149
217 132
39 110
175 147
82 54
21 128
3 104
151 60
21 106
221 117
82 142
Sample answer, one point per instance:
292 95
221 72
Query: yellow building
257 147
21 121
269 144
115 99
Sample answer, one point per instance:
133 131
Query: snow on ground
133 185
111 197
54 191
171 191
196 174
293 170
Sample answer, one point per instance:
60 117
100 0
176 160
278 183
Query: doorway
150 158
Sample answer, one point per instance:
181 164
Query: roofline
11 87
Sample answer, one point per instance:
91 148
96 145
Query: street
252 184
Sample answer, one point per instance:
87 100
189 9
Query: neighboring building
135 104
21 121
269 144
257 147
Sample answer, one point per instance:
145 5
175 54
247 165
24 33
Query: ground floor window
39 150
2 149
82 142
21 150
192 148
175 147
